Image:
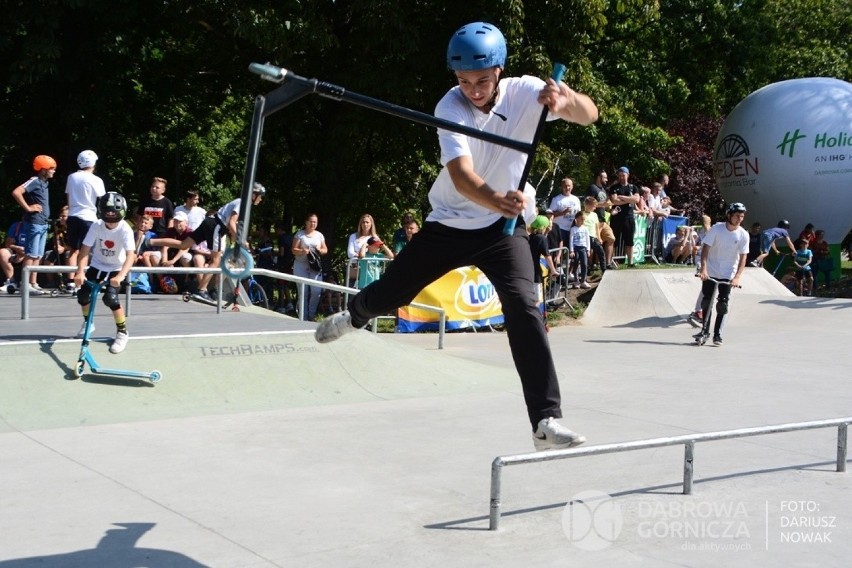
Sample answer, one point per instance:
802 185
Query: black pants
722 298
506 261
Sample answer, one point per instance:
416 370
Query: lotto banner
465 294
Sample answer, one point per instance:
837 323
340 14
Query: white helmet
86 159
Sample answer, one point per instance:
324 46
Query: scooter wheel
54 293
78 370
156 376
187 296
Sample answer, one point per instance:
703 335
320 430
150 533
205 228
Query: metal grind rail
688 441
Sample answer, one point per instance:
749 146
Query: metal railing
688 441
299 281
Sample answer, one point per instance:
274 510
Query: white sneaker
333 327
585 285
551 435
83 330
119 343
35 290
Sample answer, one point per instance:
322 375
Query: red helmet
43 163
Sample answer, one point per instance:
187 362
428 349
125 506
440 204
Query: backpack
314 260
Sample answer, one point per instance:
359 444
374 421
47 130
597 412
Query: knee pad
84 294
722 306
111 299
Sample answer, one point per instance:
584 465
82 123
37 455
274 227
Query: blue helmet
476 46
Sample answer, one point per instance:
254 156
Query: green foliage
161 88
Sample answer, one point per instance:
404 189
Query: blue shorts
36 240
765 243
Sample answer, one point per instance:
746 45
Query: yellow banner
465 294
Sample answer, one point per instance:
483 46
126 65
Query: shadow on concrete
117 549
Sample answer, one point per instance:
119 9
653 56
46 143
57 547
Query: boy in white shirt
111 245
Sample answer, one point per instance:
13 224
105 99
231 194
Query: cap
539 223
374 242
548 212
181 216
624 170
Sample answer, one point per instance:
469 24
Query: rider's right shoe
119 343
551 435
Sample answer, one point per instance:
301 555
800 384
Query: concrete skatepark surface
261 448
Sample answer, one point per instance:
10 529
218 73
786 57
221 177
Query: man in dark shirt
624 196
597 189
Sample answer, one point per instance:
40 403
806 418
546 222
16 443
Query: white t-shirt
314 240
563 202
194 216
355 244
579 238
109 246
725 250
515 116
83 189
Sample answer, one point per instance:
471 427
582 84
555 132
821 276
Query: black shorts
77 229
209 232
624 231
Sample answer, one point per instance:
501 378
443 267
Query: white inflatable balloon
786 152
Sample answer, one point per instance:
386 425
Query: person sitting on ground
802 266
213 231
679 248
173 256
768 239
109 242
12 253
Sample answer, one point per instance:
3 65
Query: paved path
261 448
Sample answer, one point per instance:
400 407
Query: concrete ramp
660 298
220 374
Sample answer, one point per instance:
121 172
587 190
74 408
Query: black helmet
735 207
784 224
258 188
112 207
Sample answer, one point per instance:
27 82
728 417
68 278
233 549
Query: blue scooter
86 357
